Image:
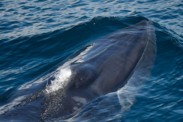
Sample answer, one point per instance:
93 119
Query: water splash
60 79
126 96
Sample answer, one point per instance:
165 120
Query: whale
108 65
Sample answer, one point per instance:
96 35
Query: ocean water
39 36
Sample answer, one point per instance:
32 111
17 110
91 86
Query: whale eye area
83 76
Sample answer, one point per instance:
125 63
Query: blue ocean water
38 36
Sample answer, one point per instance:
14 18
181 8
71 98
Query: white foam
126 96
60 79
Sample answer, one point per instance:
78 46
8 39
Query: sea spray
60 79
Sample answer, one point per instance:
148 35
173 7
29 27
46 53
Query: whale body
107 66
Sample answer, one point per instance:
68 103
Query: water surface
39 36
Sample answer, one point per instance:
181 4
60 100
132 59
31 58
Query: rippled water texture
38 36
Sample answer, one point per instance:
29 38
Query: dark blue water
38 36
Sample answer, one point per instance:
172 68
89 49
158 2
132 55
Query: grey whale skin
108 65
